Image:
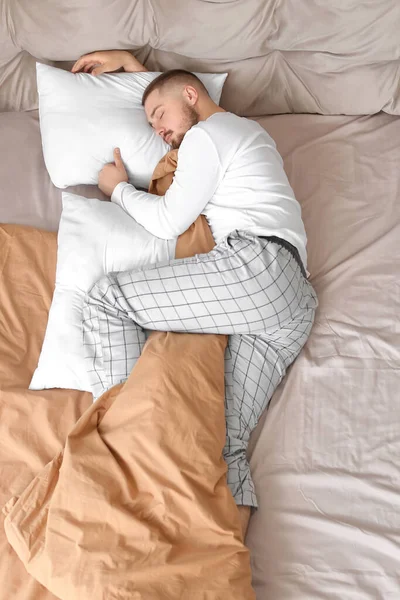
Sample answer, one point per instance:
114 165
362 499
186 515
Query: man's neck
209 110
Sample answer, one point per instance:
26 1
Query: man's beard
190 118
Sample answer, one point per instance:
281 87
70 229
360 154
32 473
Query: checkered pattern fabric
249 288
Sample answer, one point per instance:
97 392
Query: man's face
170 116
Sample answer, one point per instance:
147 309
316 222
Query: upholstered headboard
304 56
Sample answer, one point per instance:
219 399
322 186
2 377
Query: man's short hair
179 76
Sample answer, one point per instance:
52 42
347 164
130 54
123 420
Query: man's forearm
144 208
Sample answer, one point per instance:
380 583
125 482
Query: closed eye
159 118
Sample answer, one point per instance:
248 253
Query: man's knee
102 291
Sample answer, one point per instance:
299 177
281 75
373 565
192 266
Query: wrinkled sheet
137 503
325 457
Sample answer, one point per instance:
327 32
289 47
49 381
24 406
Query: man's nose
160 130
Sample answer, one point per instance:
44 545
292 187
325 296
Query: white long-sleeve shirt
229 170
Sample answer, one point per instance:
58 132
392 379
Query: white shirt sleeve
196 178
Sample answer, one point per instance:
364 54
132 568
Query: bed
322 79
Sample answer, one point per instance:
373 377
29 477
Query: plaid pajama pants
247 287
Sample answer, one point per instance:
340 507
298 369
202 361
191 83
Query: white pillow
84 117
95 238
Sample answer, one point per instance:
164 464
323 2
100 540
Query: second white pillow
95 238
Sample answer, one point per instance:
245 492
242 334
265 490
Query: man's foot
245 513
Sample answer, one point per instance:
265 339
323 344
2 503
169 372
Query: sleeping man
252 286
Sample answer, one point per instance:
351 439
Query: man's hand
112 174
107 61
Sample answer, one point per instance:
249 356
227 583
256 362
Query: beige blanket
136 504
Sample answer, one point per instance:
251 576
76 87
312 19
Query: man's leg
244 285
256 371
254 367
166 296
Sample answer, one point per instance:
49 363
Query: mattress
324 456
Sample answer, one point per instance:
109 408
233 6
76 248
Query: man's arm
196 178
108 61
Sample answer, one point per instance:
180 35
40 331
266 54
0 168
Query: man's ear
191 94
